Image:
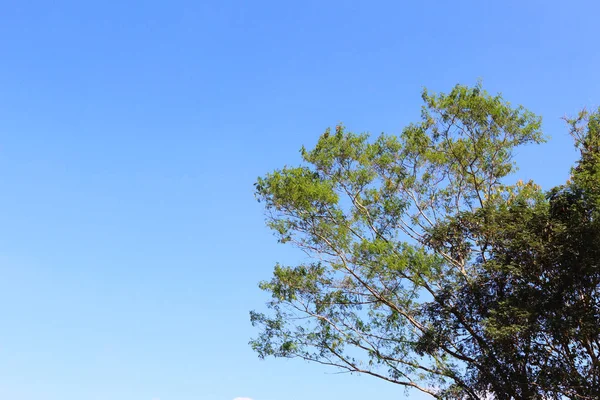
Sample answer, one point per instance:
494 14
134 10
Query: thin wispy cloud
242 398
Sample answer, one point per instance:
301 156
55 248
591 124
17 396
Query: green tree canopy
427 269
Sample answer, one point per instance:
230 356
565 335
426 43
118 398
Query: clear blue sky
131 133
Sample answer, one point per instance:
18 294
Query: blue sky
131 134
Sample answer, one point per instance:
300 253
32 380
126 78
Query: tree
424 261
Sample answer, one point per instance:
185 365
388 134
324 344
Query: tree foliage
427 269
